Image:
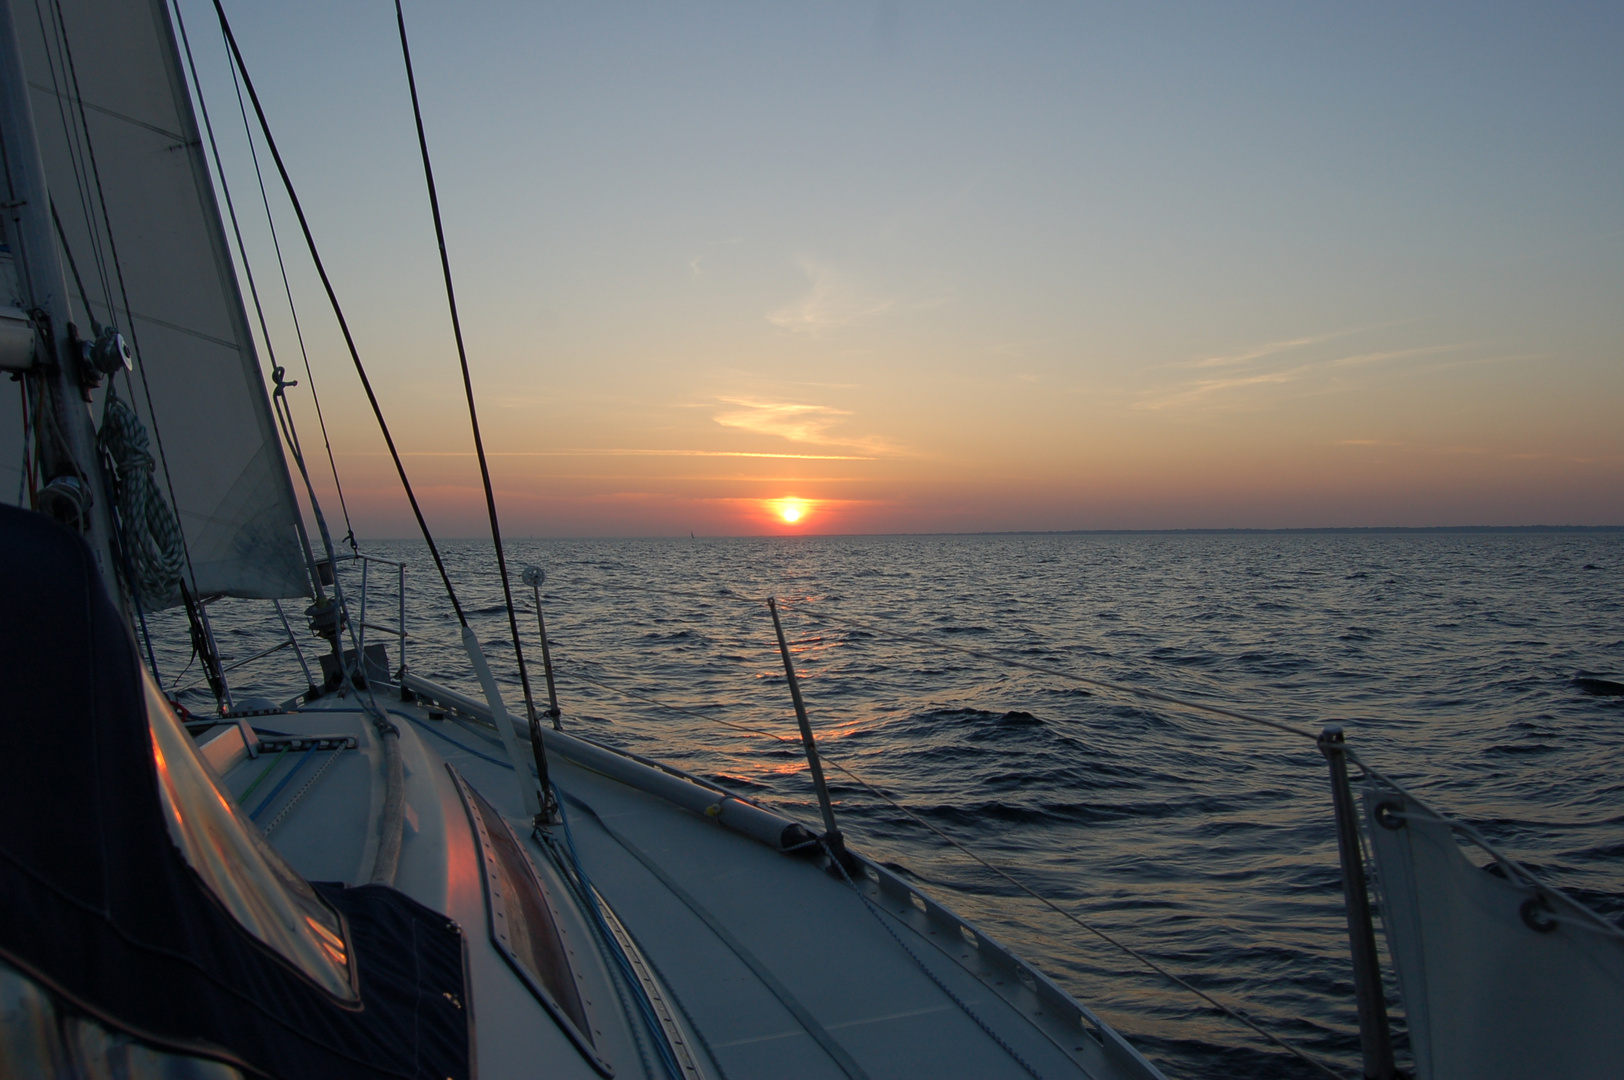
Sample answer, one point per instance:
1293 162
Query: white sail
111 105
1498 979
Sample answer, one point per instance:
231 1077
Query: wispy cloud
1198 390
696 265
798 422
831 301
786 419
1260 352
622 452
1272 348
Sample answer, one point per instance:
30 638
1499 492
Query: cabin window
522 923
247 876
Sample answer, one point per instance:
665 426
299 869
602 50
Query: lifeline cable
1106 684
981 654
338 311
1231 714
941 984
1153 965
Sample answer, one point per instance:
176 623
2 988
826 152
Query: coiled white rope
154 550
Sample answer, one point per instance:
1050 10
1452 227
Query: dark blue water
1449 658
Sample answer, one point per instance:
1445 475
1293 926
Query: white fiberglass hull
762 964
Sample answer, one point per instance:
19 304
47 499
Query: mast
68 456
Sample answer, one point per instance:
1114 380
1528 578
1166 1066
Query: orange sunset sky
960 267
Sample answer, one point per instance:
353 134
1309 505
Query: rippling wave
1451 659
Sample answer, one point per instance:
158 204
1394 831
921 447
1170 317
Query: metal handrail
278 647
399 630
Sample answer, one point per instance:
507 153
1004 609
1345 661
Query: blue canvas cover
99 906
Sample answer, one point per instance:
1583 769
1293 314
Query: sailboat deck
779 967
675 878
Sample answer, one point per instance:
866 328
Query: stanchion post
831 836
1375 1038
533 576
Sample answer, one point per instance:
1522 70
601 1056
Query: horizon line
1190 531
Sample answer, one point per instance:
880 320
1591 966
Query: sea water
1449 658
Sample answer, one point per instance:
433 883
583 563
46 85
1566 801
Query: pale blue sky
1033 266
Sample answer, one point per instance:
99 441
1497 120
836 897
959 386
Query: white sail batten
1495 982
107 85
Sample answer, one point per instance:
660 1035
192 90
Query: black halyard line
473 415
338 311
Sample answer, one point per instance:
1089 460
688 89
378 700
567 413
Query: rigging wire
293 310
870 627
200 631
151 505
76 151
54 43
1171 976
25 479
259 311
284 412
338 311
386 861
118 269
88 150
73 265
548 800
467 379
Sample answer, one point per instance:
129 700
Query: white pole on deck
528 795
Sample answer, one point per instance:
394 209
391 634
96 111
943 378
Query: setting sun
789 511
